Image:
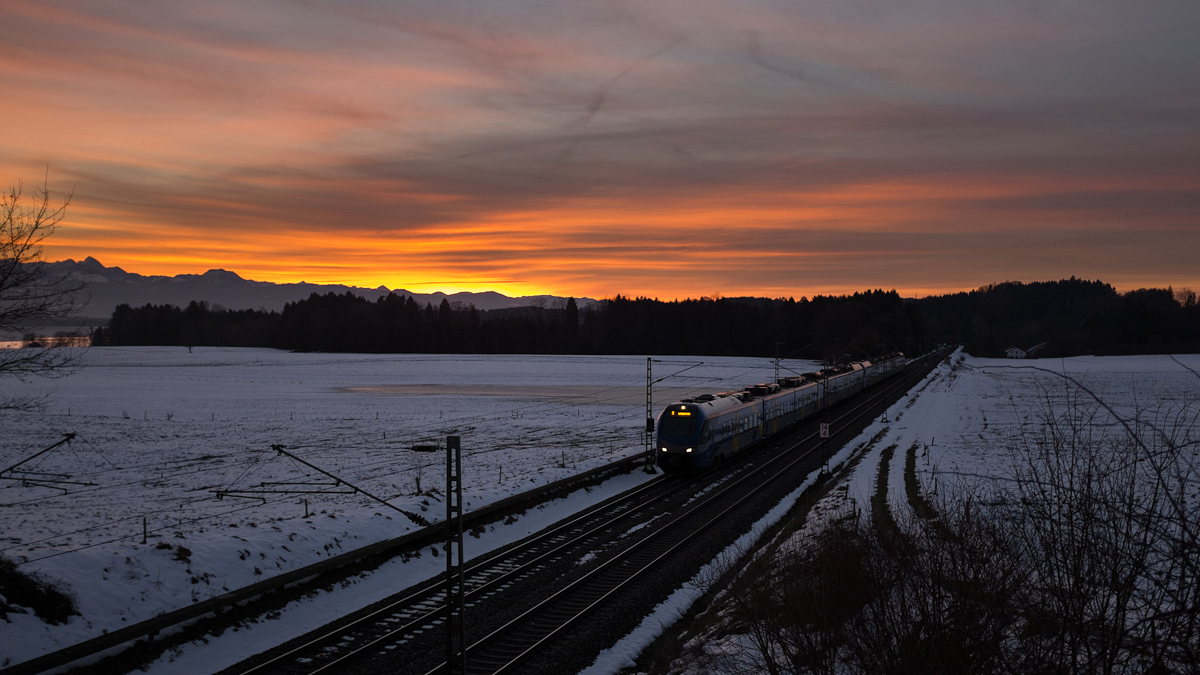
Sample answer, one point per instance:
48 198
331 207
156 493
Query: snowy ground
968 419
964 419
160 429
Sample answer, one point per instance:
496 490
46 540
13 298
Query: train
700 432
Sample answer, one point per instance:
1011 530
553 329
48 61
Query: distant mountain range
112 286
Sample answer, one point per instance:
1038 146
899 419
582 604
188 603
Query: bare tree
29 294
1186 297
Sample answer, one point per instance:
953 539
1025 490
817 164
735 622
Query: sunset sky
671 148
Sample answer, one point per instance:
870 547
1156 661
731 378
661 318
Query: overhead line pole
650 381
455 570
456 583
649 418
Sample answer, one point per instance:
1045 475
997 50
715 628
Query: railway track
535 594
132 647
486 577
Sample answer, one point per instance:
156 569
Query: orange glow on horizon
645 150
585 247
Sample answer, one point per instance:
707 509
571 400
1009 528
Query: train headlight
689 449
664 449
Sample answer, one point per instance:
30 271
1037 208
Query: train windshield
678 423
678 426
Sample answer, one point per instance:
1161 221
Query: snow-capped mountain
110 286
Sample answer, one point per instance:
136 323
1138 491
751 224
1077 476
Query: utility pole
649 431
649 419
456 644
777 344
825 424
825 448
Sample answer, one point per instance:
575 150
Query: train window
678 426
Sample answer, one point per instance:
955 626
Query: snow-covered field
967 418
970 415
159 430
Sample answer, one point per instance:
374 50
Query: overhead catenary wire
251 464
112 486
138 533
549 434
550 406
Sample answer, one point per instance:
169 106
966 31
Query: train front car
693 431
680 427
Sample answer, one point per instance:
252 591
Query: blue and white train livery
697 433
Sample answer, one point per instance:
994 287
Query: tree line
1070 317
857 325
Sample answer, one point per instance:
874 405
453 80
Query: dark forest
1069 317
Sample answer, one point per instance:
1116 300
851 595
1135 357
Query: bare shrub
796 604
48 602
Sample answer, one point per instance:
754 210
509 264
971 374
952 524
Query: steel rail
626 501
